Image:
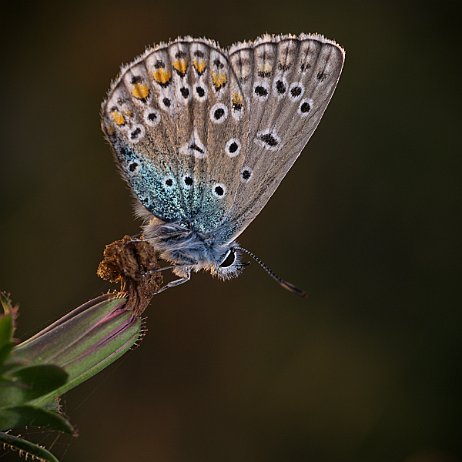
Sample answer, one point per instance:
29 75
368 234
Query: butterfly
204 135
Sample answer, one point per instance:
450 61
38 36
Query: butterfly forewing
288 82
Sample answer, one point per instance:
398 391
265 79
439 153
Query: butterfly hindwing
173 118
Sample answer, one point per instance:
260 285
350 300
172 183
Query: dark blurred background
368 368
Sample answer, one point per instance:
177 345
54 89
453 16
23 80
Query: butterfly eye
229 259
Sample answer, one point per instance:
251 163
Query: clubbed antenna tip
282 282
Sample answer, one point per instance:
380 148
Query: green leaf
11 393
5 351
40 379
26 448
24 416
28 383
6 330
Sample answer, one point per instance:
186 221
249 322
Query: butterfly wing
169 117
204 137
288 82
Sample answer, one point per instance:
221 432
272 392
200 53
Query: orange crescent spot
140 91
118 118
162 76
181 65
219 80
199 65
236 99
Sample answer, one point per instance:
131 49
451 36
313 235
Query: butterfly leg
175 283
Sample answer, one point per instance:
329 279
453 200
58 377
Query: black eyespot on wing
135 133
218 64
269 139
200 91
261 91
169 182
188 181
280 87
296 91
195 147
246 174
132 167
184 92
167 102
219 113
232 147
305 107
219 191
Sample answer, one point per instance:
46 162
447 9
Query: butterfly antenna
282 282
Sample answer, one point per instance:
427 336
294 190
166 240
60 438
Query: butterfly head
189 250
230 264
223 262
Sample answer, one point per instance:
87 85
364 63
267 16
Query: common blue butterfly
204 135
